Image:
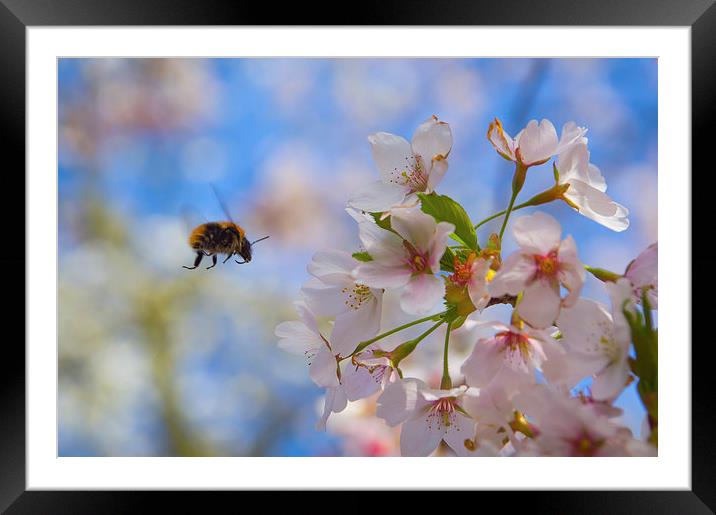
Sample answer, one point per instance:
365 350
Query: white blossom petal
377 275
358 383
539 233
421 294
414 225
393 156
537 142
540 304
334 402
432 138
323 368
514 275
399 401
418 438
378 196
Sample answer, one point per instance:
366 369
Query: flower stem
554 193
364 344
446 382
518 180
404 350
497 215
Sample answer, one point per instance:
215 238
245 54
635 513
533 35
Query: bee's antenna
260 239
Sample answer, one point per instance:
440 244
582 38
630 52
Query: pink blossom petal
297 339
463 429
383 246
399 401
432 138
540 304
483 363
393 156
573 164
438 170
611 381
358 383
377 275
324 299
377 197
332 266
437 245
514 275
477 286
323 368
539 233
571 270
334 402
355 326
571 134
537 142
421 294
414 225
596 179
418 438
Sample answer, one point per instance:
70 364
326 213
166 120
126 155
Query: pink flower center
517 346
414 175
416 260
547 265
442 413
585 445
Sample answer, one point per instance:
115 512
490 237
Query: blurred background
158 360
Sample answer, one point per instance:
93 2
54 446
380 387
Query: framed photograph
266 254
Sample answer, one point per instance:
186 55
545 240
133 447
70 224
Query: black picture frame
17 15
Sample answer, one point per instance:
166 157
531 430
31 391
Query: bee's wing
222 204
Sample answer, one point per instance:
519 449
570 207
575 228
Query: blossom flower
405 168
472 275
643 273
428 416
586 188
538 268
567 427
511 356
366 374
493 410
595 346
303 338
408 257
535 144
334 292
597 342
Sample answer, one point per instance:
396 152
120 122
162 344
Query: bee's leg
213 259
199 255
228 257
241 262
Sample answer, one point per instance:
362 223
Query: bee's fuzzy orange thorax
226 225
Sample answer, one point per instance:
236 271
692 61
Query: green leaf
362 256
447 262
384 223
445 209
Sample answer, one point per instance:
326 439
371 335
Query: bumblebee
213 238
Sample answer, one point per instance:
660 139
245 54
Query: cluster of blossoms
520 391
